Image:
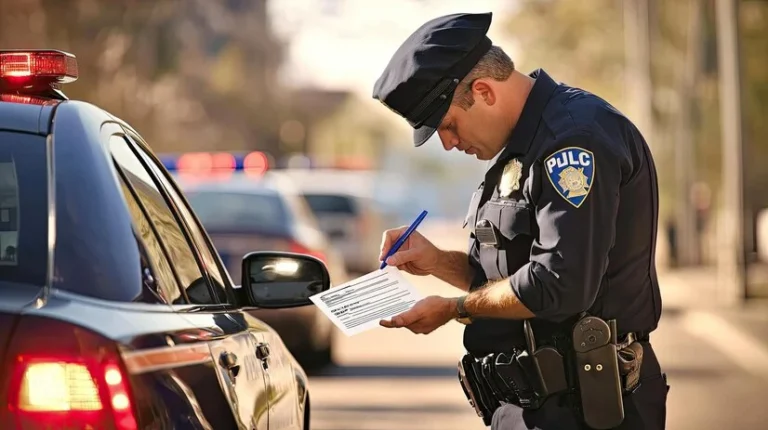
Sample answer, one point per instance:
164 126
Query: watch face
465 320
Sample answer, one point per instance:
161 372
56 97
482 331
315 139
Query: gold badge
510 178
574 182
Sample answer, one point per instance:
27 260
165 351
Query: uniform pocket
514 224
514 219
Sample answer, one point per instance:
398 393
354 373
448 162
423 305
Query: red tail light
301 249
63 376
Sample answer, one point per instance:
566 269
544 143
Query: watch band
464 316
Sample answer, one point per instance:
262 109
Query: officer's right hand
418 256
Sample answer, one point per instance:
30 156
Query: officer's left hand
425 316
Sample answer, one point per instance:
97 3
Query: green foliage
154 64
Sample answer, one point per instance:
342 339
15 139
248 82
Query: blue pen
401 240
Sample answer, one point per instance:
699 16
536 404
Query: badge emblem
510 178
571 171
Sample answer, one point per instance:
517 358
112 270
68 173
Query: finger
389 238
403 257
404 319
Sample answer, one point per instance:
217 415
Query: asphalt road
389 379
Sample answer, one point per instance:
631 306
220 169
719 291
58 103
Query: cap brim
430 125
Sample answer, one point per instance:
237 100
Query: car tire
320 357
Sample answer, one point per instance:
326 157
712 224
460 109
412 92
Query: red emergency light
36 69
220 165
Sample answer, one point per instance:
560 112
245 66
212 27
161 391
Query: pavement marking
742 349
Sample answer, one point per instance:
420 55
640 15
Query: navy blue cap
419 81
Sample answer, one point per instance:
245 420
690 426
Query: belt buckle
485 233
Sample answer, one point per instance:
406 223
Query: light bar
31 68
217 164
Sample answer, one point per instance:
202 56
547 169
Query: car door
205 302
286 393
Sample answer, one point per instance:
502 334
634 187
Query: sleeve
576 205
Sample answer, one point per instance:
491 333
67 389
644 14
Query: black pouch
479 395
510 371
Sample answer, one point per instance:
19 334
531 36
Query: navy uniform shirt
573 202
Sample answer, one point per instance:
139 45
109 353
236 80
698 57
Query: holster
606 370
595 368
630 360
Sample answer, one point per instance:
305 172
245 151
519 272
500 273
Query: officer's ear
483 90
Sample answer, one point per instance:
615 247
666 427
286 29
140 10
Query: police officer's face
478 130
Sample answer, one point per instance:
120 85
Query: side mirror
276 280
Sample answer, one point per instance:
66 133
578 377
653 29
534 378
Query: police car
115 309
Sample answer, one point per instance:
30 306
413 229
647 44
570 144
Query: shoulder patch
571 171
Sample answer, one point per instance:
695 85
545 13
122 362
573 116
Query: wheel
320 357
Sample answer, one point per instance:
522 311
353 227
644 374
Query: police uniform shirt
573 204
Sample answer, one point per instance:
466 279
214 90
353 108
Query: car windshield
325 204
23 202
234 211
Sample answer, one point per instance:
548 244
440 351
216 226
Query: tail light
301 249
65 377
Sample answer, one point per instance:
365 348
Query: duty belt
593 373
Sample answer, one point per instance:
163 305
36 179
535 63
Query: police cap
419 81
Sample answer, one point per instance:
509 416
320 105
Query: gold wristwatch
464 316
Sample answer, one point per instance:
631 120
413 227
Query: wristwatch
464 316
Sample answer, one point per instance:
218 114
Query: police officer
562 227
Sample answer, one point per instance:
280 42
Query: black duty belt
594 373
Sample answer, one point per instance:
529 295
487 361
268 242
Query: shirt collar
522 135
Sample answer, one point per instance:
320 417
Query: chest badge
510 178
571 171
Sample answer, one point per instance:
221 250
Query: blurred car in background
245 212
346 211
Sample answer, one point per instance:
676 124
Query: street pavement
384 379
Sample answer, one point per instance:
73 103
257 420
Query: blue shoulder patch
571 171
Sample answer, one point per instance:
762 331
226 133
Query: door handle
262 351
228 361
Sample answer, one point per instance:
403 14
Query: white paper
359 305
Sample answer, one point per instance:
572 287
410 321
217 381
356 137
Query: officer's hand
425 316
418 256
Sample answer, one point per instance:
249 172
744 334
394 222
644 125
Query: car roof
352 183
269 182
26 117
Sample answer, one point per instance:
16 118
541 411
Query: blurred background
271 99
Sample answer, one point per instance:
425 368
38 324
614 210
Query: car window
326 204
180 253
239 212
23 208
165 284
203 246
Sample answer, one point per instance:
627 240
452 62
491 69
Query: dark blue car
115 309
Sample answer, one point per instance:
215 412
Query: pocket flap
515 220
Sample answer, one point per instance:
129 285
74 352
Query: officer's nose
449 140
